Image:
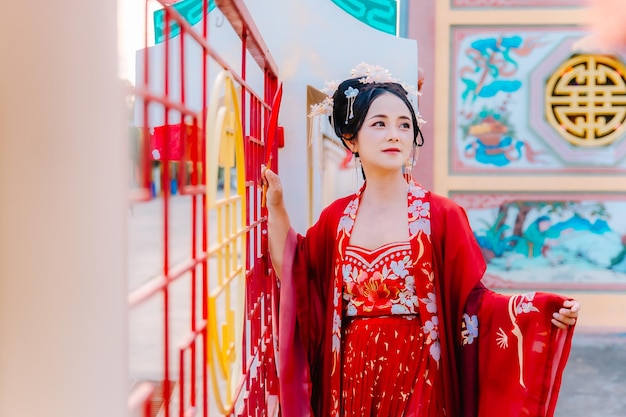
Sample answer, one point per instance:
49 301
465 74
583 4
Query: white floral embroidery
336 332
409 299
470 329
409 284
431 328
525 308
526 305
419 225
419 208
349 273
399 268
351 309
351 207
387 273
431 303
347 220
417 192
435 350
345 223
399 309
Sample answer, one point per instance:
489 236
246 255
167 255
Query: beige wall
63 195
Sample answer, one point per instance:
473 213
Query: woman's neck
385 190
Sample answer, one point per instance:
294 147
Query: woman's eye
379 124
405 126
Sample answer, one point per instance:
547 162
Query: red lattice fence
199 137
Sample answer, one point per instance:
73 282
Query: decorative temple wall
528 135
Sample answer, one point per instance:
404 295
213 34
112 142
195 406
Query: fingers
567 315
267 174
573 305
559 324
570 309
268 177
272 191
564 317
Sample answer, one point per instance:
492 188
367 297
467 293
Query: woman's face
385 140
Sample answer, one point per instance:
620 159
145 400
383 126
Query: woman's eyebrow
385 115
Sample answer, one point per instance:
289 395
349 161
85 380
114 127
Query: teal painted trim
190 10
403 21
379 14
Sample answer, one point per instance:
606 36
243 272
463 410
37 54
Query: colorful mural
500 97
540 241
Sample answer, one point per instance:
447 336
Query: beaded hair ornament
367 74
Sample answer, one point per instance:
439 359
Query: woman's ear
350 143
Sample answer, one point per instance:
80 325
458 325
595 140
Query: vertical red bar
183 118
181 382
205 225
165 194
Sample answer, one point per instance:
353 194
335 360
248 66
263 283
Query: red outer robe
481 378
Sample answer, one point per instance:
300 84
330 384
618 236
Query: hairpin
350 94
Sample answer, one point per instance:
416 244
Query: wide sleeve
459 266
293 373
521 354
304 286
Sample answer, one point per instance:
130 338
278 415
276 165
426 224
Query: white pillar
63 186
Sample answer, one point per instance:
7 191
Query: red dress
383 353
480 353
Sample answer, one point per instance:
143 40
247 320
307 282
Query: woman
382 312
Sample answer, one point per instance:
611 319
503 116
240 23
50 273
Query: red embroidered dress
385 288
379 282
467 351
383 355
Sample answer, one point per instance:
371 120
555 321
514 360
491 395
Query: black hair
347 128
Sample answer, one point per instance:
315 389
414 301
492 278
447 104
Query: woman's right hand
278 223
274 190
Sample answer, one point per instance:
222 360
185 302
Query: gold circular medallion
586 100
